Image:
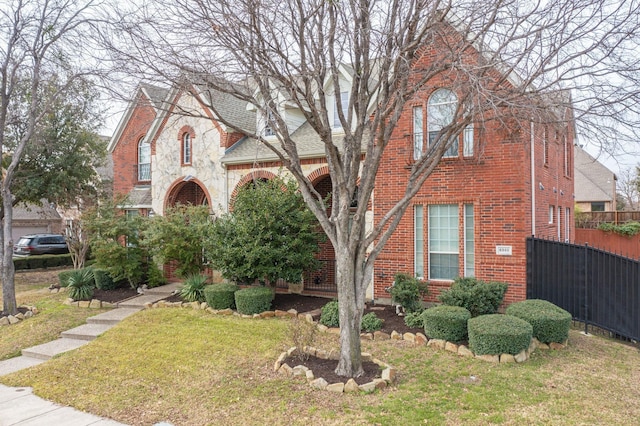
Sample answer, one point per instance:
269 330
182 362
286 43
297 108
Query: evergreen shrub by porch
253 300
446 322
408 291
370 322
329 314
104 280
221 296
499 334
81 284
550 323
478 297
414 320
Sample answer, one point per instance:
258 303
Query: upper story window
344 106
186 148
418 132
440 112
269 119
545 146
144 159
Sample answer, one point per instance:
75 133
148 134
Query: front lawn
192 368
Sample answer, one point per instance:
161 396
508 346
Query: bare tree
40 41
509 62
629 188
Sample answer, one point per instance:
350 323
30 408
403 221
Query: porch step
18 363
86 331
49 350
140 301
113 316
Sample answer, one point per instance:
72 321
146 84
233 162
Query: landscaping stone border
387 377
14 319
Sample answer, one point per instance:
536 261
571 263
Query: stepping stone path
80 336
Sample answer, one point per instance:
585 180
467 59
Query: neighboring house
34 219
595 184
492 190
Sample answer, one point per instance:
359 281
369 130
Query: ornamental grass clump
478 297
253 300
446 322
192 289
81 284
550 323
498 334
221 296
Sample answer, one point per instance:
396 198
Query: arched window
186 148
144 159
440 112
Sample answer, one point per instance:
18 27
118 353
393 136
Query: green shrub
192 289
628 229
550 323
408 291
446 323
155 276
253 300
104 280
81 284
499 334
221 296
370 322
414 320
478 297
63 277
42 261
329 314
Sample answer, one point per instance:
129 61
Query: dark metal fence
320 281
598 288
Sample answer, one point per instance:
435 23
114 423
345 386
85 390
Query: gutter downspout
533 183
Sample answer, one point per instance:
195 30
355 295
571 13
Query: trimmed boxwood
550 323
221 296
479 297
329 314
42 261
253 300
446 323
497 334
104 280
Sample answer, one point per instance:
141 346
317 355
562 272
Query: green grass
192 368
53 318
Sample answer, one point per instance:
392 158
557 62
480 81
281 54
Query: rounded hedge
550 323
221 296
497 334
253 300
446 323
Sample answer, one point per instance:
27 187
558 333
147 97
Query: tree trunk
351 307
9 304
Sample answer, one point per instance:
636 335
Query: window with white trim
467 141
441 110
186 148
567 224
418 215
551 213
144 160
559 222
344 105
444 250
418 132
469 241
269 119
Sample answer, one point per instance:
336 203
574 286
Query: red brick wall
125 153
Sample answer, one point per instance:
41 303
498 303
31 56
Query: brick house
495 187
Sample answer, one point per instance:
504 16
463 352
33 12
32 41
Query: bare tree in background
514 62
629 189
40 41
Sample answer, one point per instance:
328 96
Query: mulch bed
113 296
325 368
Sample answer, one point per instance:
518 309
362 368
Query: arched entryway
188 191
323 280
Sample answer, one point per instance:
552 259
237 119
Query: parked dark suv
40 244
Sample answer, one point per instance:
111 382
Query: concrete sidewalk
18 406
